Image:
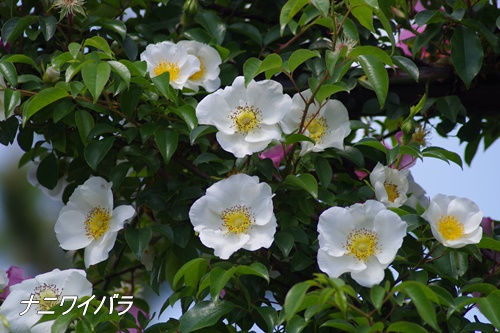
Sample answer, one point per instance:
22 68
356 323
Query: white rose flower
391 185
362 239
328 128
3 85
54 284
247 118
455 222
89 220
208 75
174 59
235 213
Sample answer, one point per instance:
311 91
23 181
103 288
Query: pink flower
487 224
15 275
361 174
276 154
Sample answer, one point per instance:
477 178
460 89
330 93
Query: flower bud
408 128
51 75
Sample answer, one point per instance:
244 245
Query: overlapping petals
235 213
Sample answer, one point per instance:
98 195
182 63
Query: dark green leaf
121 70
407 65
489 243
294 138
84 123
12 99
377 75
47 172
48 26
130 98
15 27
299 57
138 240
8 71
247 30
371 50
406 327
305 181
322 5
324 171
256 269
204 314
466 54
284 241
96 150
424 38
212 24
188 114
289 10
115 25
489 307
95 75
167 141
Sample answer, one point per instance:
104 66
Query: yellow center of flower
420 136
246 118
317 128
170 67
199 74
237 219
47 295
97 222
450 228
362 244
392 191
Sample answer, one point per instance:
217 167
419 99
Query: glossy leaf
121 70
47 172
377 75
84 123
138 240
15 27
95 75
466 54
167 141
12 98
294 299
407 65
289 10
96 150
204 314
8 71
99 43
305 181
490 309
299 57
48 26
406 327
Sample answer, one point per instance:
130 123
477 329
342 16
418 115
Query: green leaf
271 65
406 327
466 54
374 143
270 316
84 122
328 90
483 288
294 138
289 10
115 25
47 172
74 49
340 324
377 75
421 296
371 50
162 83
48 26
204 314
294 299
188 114
41 100
256 269
490 309
189 271
99 43
322 5
167 141
15 27
407 65
284 241
218 280
247 30
324 171
201 130
212 24
8 71
489 243
20 58
121 70
299 57
138 240
305 181
450 107
250 68
424 38
377 294
12 99
443 154
130 98
62 323
362 13
95 75
96 150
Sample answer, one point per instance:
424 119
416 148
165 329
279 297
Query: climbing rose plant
255 158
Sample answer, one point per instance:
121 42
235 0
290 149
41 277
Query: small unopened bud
408 128
190 9
51 75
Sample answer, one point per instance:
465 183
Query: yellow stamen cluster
237 219
317 127
170 67
97 222
362 244
47 295
246 118
392 191
450 228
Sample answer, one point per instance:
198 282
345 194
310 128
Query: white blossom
246 117
235 213
362 239
327 123
89 220
390 185
455 222
172 58
416 194
208 75
54 284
